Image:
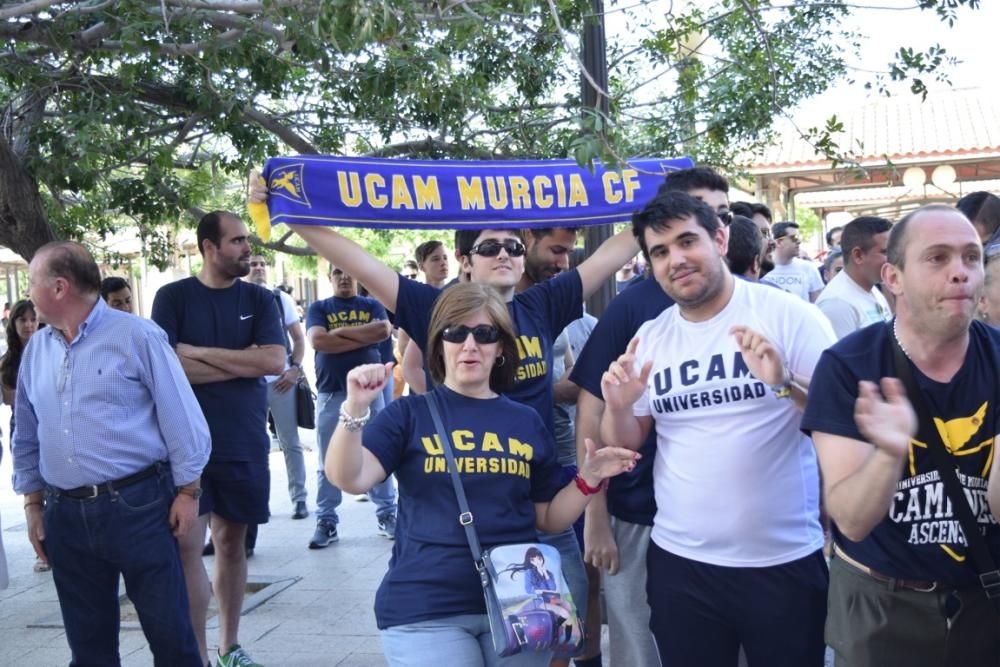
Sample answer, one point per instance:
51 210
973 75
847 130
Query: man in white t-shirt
851 300
736 551
281 391
791 273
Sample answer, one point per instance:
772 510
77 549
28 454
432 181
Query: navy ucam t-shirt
336 313
630 495
539 313
506 459
233 318
921 537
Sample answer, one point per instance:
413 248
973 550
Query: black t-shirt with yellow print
921 537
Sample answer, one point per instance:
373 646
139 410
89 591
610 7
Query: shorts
238 491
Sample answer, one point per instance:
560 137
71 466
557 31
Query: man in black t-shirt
903 587
227 335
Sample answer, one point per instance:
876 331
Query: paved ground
321 616
324 618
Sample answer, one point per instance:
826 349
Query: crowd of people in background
724 455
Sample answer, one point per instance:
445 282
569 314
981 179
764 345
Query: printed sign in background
448 194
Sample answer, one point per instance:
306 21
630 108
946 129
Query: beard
715 282
236 268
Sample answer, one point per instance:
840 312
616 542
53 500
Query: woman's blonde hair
454 305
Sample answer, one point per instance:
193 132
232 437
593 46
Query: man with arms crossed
227 335
903 589
345 330
735 556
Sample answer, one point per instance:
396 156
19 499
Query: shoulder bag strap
985 566
465 518
280 305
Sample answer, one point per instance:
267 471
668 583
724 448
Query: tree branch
25 8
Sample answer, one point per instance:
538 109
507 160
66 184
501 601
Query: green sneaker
236 657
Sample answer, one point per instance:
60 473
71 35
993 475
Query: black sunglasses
725 216
492 248
481 333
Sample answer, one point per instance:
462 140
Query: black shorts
238 491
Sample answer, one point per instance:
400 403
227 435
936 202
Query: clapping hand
885 418
760 355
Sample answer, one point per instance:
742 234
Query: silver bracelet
353 424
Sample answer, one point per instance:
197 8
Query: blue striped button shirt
104 406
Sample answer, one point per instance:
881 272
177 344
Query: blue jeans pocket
142 496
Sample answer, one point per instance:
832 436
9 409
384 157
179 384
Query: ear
721 238
892 278
466 261
857 255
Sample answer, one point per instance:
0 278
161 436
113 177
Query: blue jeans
463 641
328 496
90 542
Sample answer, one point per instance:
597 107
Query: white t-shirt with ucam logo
799 277
736 481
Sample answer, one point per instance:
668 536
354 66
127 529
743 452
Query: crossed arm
215 364
347 339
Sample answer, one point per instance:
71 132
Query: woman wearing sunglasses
430 605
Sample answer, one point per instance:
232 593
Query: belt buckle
94 491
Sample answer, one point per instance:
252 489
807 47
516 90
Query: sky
972 40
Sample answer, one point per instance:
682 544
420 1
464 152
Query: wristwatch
194 493
783 390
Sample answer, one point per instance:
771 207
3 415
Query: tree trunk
24 227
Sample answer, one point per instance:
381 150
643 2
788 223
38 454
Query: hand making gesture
620 384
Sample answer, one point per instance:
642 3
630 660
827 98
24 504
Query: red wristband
587 489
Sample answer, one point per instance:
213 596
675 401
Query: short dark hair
425 249
780 229
982 208
113 284
71 261
410 264
896 250
749 209
761 209
694 178
542 232
466 238
742 208
829 235
861 232
668 206
745 244
210 228
832 257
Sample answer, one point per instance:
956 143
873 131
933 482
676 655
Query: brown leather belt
94 490
912 584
